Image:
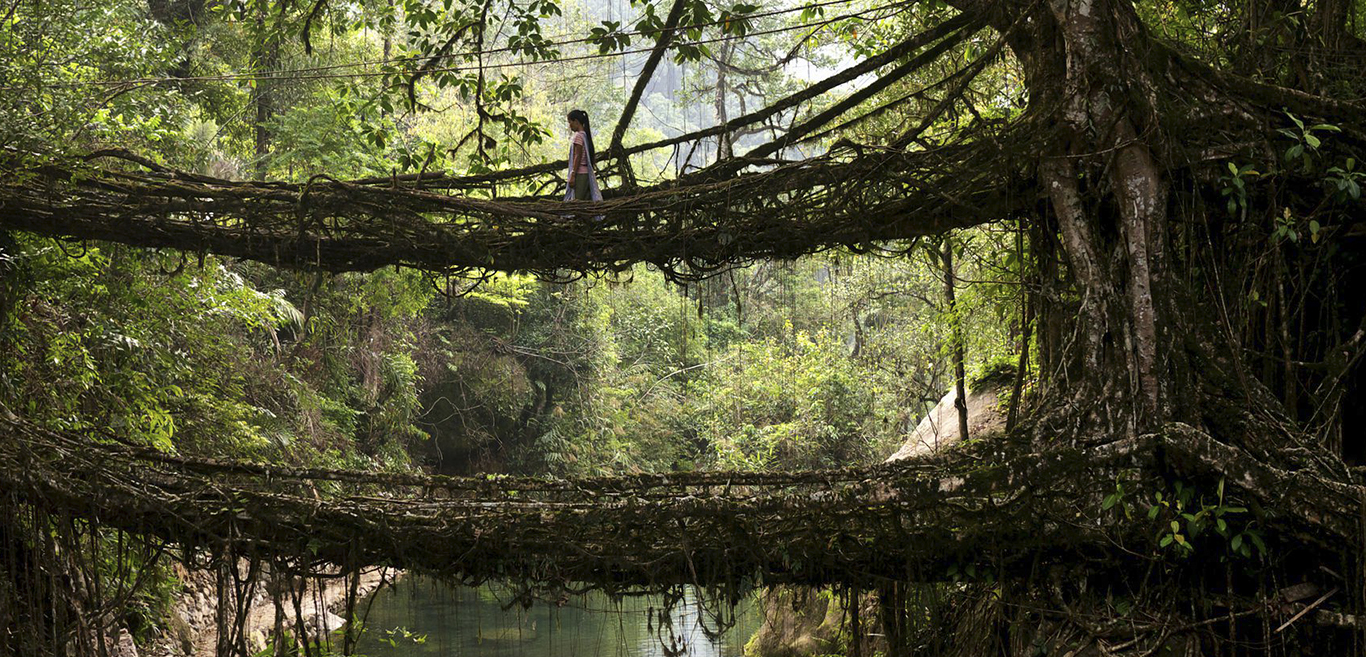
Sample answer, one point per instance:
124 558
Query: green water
422 618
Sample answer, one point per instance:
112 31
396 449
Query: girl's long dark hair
582 117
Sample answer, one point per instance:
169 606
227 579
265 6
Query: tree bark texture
1106 189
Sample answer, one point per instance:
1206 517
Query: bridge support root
1165 539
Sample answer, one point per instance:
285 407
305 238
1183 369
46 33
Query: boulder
124 645
938 430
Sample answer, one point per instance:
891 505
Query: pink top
580 151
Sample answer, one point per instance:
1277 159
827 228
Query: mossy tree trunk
1128 334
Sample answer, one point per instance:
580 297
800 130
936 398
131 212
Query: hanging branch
308 24
960 401
965 76
480 110
437 57
876 86
1026 332
647 72
963 24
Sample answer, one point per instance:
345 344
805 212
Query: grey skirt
581 187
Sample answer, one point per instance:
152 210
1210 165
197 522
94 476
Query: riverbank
192 629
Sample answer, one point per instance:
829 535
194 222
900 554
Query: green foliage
1235 186
645 375
203 359
798 403
51 52
402 636
971 572
1186 518
1305 140
1188 515
1345 181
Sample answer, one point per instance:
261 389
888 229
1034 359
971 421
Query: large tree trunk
1110 201
1104 180
1142 343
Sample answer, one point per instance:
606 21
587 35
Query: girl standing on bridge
583 181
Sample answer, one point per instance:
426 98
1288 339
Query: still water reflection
417 616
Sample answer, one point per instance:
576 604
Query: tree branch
642 81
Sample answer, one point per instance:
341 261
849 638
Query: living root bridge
728 530
849 197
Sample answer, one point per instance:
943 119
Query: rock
809 623
257 640
796 624
326 622
124 646
938 430
181 631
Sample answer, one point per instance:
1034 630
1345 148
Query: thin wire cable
898 8
322 72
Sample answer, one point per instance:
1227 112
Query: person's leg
581 187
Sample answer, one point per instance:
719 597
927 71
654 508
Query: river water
424 618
